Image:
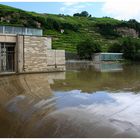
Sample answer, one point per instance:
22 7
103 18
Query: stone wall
8 38
35 54
38 56
48 42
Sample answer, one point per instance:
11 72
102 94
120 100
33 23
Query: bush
70 26
87 48
52 24
130 47
108 30
116 48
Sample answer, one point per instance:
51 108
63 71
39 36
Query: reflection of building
31 85
24 50
24 98
56 76
102 67
108 67
78 65
107 57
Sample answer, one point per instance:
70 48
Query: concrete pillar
20 45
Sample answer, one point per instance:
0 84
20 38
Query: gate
7 57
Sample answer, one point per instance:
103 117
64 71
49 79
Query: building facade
98 57
25 50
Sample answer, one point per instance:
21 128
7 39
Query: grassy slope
69 39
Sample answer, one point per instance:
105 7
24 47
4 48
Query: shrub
130 47
87 48
106 29
116 48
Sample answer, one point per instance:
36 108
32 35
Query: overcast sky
119 9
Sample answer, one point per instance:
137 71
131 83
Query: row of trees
130 47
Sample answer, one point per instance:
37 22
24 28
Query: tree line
130 47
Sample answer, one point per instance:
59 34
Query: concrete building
98 57
25 50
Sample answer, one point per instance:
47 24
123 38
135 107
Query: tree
107 29
76 15
130 47
116 48
82 14
87 48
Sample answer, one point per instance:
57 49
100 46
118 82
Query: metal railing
20 30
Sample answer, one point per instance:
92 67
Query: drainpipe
16 54
55 60
23 69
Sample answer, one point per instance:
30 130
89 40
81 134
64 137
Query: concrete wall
56 60
96 57
20 56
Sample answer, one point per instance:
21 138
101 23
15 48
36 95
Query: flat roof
108 53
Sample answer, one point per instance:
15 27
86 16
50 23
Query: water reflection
56 76
22 99
89 79
108 67
100 114
101 67
76 98
81 102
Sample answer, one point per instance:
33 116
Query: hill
105 30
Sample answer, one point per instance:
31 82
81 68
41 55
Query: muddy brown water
86 101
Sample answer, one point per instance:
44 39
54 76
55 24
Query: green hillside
76 29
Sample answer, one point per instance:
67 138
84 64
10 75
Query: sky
119 9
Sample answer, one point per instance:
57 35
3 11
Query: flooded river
86 101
